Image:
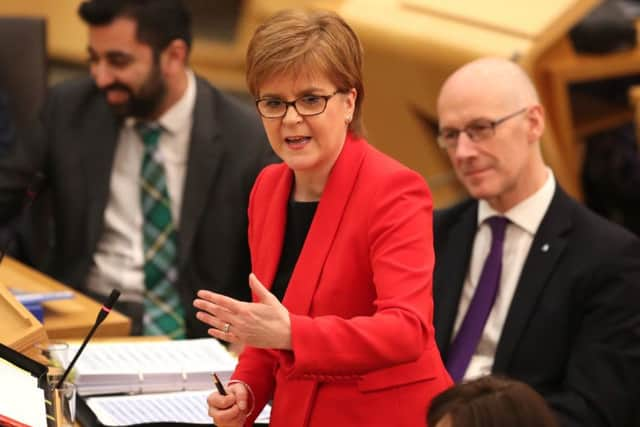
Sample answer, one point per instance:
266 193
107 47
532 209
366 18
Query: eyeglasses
306 105
477 131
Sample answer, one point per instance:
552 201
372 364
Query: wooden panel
66 34
64 318
509 17
19 329
221 60
555 71
411 46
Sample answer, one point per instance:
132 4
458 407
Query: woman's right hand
230 410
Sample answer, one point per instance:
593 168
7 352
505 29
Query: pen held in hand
219 385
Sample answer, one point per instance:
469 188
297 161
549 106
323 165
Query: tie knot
150 133
498 225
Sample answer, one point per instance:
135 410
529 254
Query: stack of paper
149 367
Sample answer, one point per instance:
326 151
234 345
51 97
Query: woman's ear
351 97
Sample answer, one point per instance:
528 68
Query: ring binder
150 366
141 382
185 380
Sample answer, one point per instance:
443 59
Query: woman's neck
308 188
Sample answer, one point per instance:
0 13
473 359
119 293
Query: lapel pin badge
545 247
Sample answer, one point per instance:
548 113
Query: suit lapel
548 245
99 150
202 164
452 263
324 227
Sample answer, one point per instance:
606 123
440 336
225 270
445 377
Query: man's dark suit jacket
573 328
75 149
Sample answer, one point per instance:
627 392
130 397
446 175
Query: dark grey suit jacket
75 150
573 327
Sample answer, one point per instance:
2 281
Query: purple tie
465 343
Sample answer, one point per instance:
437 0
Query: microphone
102 314
34 188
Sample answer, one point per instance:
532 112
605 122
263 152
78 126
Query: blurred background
582 55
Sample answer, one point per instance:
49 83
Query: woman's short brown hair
491 402
293 42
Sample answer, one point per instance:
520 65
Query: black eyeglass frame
293 104
472 136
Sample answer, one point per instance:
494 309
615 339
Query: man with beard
149 169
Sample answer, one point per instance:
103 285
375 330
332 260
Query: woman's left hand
263 324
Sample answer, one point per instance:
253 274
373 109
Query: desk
65 318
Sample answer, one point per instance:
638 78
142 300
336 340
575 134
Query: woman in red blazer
341 234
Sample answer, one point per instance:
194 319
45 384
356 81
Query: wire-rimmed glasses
478 130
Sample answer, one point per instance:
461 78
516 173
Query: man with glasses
150 169
528 283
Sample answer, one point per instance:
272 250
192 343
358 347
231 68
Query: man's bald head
501 79
491 122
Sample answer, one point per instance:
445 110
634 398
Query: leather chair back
23 88
23 67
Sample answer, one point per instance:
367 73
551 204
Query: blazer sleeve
255 368
400 253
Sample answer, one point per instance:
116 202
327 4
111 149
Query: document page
182 407
153 356
20 397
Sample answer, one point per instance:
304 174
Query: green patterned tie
163 312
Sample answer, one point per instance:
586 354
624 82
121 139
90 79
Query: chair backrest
23 79
23 67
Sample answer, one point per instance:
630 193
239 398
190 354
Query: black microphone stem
73 362
102 314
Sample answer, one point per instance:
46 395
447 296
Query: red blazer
359 298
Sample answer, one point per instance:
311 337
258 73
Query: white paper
183 407
147 367
21 399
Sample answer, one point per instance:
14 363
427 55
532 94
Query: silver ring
226 328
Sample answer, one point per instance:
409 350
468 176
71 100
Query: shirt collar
528 213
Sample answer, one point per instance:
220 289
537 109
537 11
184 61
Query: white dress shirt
118 261
524 219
